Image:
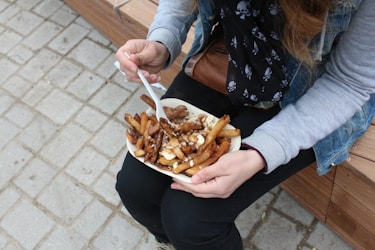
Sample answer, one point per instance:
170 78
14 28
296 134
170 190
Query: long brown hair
304 20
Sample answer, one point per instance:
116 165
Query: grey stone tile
89 53
36 175
109 98
105 187
65 145
42 35
38 224
37 134
47 8
64 199
7 132
118 234
12 159
20 54
68 38
106 69
59 106
85 85
63 73
274 231
3 5
37 92
87 166
27 4
92 219
289 206
8 13
5 102
8 40
63 16
7 69
24 22
98 37
323 238
20 115
17 86
90 119
8 198
110 139
39 65
63 238
247 219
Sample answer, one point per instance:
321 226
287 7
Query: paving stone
247 219
8 13
68 38
323 238
65 145
274 232
110 139
90 119
63 73
24 22
58 106
64 199
63 238
12 160
289 206
20 54
63 16
27 4
38 224
96 36
5 102
7 132
87 166
39 65
105 187
37 133
9 197
37 92
17 86
7 69
47 8
92 219
42 35
89 53
109 98
35 177
20 115
106 69
7 40
118 234
85 85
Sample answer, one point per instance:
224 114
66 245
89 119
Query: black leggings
182 219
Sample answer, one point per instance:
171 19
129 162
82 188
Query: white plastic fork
159 112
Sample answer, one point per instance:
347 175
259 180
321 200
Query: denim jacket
334 148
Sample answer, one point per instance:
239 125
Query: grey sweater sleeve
333 99
171 24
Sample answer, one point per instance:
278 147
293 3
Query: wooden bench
343 199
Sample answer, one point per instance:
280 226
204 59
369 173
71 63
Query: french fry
188 164
217 128
133 122
220 150
148 101
229 133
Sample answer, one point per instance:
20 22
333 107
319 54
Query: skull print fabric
256 70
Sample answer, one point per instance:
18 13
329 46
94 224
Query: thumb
203 175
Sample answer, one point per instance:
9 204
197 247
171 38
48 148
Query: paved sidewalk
62 142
